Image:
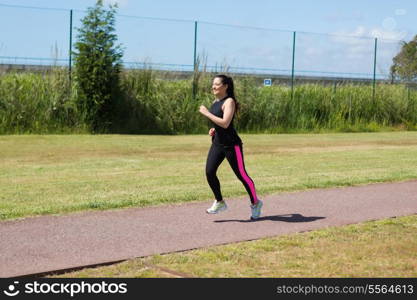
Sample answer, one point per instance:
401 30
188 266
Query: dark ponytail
230 92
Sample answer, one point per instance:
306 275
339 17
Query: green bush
97 68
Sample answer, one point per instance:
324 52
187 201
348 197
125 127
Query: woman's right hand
212 131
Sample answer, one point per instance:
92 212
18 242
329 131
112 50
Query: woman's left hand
203 110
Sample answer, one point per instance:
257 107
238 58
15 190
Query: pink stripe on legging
244 174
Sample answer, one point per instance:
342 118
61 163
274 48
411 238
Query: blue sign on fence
267 82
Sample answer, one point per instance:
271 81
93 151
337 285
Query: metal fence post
195 44
70 47
293 63
195 60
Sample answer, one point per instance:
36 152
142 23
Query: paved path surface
50 243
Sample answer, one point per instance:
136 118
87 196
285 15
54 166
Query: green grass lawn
56 174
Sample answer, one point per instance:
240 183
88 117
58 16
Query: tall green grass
315 107
156 105
151 103
38 103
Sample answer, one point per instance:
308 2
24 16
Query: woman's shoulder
223 101
229 100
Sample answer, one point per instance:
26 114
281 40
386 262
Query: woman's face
218 87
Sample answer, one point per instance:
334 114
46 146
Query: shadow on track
291 218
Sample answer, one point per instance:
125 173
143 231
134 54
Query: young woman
226 143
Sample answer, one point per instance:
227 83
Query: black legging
234 155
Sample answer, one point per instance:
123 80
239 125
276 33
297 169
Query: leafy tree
404 64
97 67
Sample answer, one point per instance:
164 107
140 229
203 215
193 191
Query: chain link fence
181 45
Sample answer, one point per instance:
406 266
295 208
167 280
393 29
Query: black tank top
223 136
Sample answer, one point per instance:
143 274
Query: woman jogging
226 144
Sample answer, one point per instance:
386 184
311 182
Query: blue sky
342 41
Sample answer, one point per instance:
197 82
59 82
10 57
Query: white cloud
389 23
387 32
359 45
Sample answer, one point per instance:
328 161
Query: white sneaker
217 207
256 210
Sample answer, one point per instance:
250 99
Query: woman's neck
221 97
